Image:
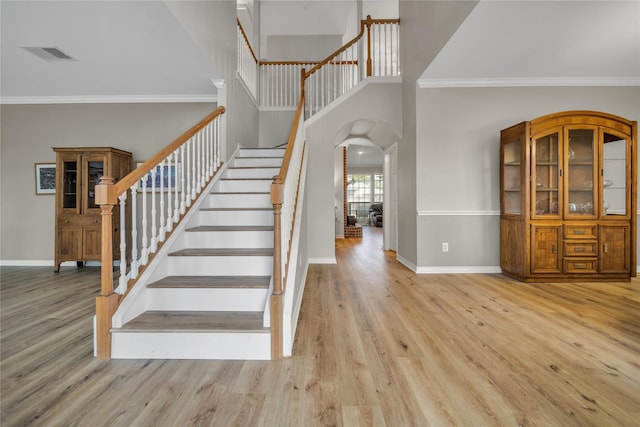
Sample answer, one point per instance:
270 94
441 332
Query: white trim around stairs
452 269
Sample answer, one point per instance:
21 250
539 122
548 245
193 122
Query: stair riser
207 299
219 266
224 239
235 218
243 185
275 162
252 173
217 200
261 152
191 345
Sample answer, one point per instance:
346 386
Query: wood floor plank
376 345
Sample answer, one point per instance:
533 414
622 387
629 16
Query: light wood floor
377 346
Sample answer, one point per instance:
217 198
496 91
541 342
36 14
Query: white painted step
252 172
238 200
217 265
225 237
207 299
234 216
261 152
192 335
227 185
256 161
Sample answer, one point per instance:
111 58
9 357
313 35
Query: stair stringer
135 302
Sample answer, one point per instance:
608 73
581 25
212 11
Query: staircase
206 298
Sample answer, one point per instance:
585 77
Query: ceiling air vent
48 53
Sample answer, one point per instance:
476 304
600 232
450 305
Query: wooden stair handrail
365 23
141 171
246 39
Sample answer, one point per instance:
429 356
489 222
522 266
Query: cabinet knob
605 248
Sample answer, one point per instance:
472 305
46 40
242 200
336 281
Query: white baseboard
323 260
46 263
411 266
458 269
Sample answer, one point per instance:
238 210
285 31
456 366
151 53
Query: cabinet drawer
581 249
580 231
580 265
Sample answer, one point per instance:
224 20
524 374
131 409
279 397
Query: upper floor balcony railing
373 52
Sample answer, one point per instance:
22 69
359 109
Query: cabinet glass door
545 175
580 172
615 174
70 184
511 177
94 171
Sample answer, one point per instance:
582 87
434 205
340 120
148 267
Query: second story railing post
107 301
369 60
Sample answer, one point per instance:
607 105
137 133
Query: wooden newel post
107 301
303 77
276 296
369 62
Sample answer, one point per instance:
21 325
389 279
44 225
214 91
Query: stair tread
240 192
231 228
223 252
237 209
196 321
247 179
212 282
253 167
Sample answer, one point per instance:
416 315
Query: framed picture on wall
45 178
167 176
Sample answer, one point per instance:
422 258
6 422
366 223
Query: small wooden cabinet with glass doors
568 198
78 219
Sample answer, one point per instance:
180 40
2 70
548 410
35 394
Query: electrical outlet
445 247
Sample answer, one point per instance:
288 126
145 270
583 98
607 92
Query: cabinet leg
56 268
80 264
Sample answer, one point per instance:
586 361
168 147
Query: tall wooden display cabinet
78 219
568 198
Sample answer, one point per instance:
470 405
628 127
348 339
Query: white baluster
178 181
154 231
171 188
123 241
144 256
134 230
192 195
183 180
161 230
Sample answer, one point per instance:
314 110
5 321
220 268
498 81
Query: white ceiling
137 50
128 51
589 41
122 50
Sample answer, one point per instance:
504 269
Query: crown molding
528 82
107 99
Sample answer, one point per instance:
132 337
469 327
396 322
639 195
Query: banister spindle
369 65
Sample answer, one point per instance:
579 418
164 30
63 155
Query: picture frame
162 178
45 178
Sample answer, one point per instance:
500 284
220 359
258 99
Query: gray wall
30 131
301 48
275 127
457 151
425 28
212 26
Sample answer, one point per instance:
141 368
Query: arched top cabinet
568 197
